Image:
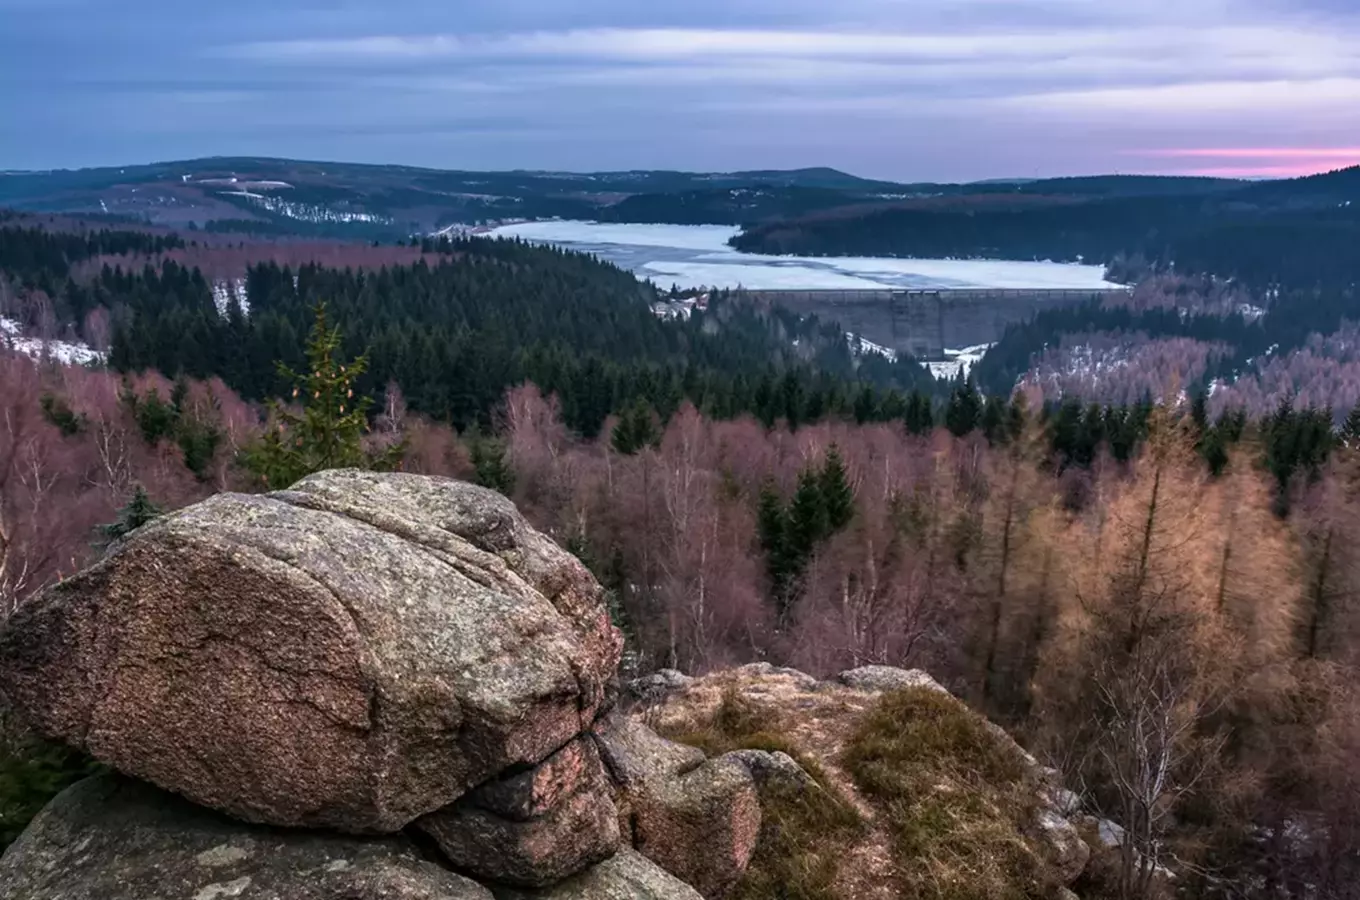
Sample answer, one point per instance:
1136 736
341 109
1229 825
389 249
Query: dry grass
954 800
920 800
805 835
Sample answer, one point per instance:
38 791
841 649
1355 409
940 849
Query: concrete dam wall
923 323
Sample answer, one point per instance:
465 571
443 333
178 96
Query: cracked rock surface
352 653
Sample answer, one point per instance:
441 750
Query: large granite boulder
626 876
535 828
112 838
352 653
698 819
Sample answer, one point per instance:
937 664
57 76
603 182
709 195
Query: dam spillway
922 323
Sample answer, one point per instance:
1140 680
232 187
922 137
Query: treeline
41 259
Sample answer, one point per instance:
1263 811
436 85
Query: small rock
1111 834
534 793
634 753
658 686
776 769
1065 803
582 831
1069 852
764 669
628 875
888 678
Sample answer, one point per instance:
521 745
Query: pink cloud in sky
1263 162
1329 153
1296 171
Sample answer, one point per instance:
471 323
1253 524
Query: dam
922 323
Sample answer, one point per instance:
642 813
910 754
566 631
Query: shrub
32 772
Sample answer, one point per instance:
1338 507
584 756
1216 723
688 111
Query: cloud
913 89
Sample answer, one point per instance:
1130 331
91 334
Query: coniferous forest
748 489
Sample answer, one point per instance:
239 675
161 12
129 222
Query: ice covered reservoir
693 256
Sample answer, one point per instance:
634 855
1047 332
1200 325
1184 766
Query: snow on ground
958 362
695 256
755 277
11 336
224 290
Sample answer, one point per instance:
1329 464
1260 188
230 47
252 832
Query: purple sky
902 89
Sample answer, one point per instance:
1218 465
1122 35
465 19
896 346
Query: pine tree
139 511
329 432
837 495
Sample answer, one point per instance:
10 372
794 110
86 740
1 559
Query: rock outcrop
111 838
352 653
815 720
698 819
535 828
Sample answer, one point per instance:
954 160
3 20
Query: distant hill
277 196
1302 231
270 196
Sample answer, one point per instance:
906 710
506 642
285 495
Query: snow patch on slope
225 291
12 337
958 362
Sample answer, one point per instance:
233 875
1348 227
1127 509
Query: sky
910 90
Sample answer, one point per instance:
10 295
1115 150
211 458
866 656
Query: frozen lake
693 256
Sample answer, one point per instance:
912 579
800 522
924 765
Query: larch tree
1145 663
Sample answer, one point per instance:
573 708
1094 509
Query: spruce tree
809 524
636 429
772 526
920 414
489 465
1350 431
964 412
329 431
139 511
837 495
